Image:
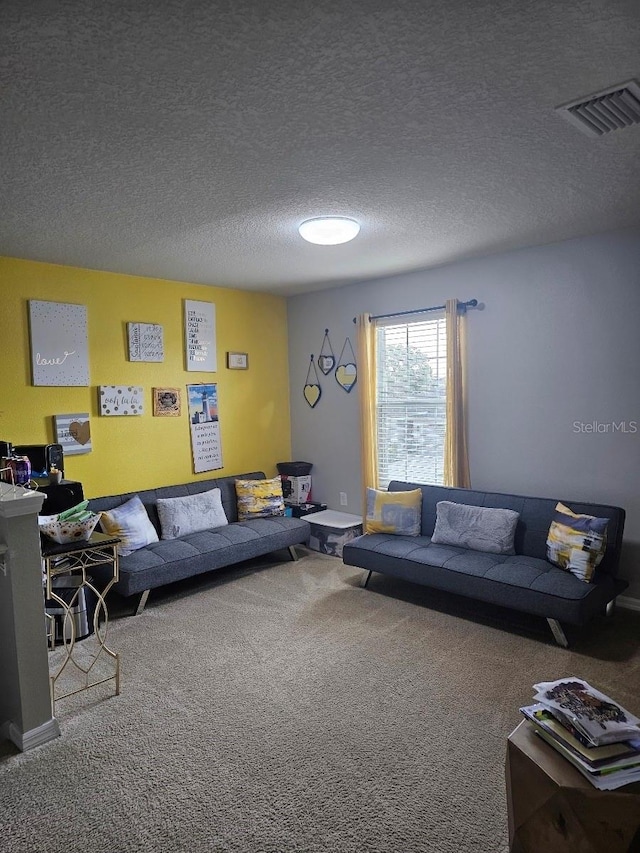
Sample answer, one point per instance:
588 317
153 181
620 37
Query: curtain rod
472 303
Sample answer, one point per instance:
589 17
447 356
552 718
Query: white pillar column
25 699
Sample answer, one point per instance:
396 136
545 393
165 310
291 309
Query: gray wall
557 346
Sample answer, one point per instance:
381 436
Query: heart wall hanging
326 359
312 390
73 432
346 371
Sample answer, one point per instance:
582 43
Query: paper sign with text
205 427
200 335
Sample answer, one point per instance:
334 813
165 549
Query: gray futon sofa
174 559
526 581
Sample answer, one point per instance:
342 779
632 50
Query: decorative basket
64 532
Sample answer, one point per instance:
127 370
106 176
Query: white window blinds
411 399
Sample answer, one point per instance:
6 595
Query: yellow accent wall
138 452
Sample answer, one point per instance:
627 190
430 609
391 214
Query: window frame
405 421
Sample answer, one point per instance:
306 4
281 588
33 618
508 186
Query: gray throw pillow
478 528
191 514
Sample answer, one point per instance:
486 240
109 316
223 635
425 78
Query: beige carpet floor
279 707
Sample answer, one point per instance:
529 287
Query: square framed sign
237 360
73 432
166 402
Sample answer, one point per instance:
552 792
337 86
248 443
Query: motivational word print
200 335
145 342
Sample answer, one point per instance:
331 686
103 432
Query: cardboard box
296 490
331 530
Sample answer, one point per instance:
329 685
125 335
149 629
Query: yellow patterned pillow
259 498
394 512
576 542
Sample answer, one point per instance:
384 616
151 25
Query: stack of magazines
588 728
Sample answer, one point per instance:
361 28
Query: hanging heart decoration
312 394
312 390
326 359
326 363
346 376
346 371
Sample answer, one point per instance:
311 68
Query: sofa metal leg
142 602
293 552
558 633
610 608
365 579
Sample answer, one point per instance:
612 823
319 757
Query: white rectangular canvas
59 346
73 432
121 400
145 342
200 335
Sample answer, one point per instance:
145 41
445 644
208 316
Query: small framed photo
237 360
166 402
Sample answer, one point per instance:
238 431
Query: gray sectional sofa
174 559
525 581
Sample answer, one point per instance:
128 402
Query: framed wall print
200 335
59 344
205 427
145 342
237 360
120 400
73 432
166 402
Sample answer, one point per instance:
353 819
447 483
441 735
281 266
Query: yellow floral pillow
394 512
259 498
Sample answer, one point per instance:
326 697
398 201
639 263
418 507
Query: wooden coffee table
554 809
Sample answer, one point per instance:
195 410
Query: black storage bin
60 496
300 510
294 469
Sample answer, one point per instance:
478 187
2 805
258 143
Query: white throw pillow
479 528
131 523
191 514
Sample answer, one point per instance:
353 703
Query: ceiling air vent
611 109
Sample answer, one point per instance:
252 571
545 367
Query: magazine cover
594 714
619 754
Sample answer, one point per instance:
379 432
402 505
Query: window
410 400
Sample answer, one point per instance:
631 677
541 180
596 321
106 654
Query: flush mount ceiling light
329 230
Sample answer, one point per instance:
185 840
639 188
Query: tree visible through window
411 400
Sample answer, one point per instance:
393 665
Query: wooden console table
553 808
76 559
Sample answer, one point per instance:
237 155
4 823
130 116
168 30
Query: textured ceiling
187 139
